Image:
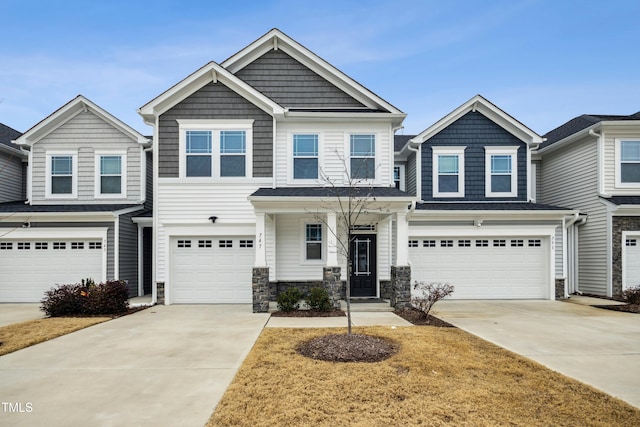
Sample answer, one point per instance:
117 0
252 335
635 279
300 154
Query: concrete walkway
16 313
596 346
164 366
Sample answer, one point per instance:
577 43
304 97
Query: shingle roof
399 141
497 206
8 134
21 207
624 200
321 192
577 124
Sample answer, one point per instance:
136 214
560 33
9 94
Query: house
252 158
477 224
12 166
85 205
592 163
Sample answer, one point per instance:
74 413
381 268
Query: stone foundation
260 287
333 285
160 293
400 286
560 289
385 289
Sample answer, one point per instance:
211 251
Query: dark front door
363 273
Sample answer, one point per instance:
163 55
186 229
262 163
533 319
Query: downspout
576 220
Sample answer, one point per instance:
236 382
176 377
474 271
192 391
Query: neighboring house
12 166
241 209
477 225
592 164
86 182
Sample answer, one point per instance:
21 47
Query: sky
542 61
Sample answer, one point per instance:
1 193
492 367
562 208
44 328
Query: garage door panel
632 261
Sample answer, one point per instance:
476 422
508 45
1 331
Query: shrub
86 298
429 294
111 297
289 300
632 295
318 299
64 300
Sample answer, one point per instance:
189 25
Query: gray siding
474 131
291 84
11 180
410 175
148 204
128 252
215 101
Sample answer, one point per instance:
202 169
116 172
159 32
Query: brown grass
20 335
440 377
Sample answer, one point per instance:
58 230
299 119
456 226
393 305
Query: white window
305 156
111 173
216 148
501 171
448 171
313 242
628 163
62 175
362 155
399 177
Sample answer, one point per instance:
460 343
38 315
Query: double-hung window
363 156
233 152
199 154
448 171
501 171
111 174
61 171
628 168
305 156
398 177
313 242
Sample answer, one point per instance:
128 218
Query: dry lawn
440 377
20 335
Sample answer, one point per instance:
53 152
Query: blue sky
543 62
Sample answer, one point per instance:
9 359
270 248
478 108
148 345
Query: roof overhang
319 116
588 132
288 204
15 151
520 215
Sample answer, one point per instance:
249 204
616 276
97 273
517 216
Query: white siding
290 250
559 253
384 250
609 162
86 133
569 179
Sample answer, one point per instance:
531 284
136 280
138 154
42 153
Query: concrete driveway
15 313
598 347
167 365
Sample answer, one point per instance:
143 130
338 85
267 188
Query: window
95 245
464 243
215 148
246 243
428 243
517 243
77 245
628 242
6 246
59 245
305 156
111 181
413 243
534 242
482 243
205 243
398 177
184 243
24 245
225 244
499 243
363 156
628 154
448 171
313 241
501 171
61 175
41 245
446 243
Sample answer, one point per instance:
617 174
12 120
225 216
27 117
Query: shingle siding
215 101
293 85
475 132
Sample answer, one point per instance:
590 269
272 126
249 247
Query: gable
292 84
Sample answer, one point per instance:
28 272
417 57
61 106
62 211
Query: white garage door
632 262
212 269
28 268
484 268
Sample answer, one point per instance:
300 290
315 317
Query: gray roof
321 192
399 141
624 200
577 124
147 213
21 207
492 206
8 134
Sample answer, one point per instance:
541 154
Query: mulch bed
627 308
417 318
348 348
308 313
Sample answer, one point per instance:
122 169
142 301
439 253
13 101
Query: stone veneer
400 286
560 289
620 224
333 285
159 293
385 289
260 287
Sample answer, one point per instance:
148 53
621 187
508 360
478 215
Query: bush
632 295
318 299
429 294
289 300
86 298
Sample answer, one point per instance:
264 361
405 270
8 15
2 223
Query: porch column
402 239
261 247
332 240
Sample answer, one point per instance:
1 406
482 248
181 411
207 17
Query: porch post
261 247
402 239
332 240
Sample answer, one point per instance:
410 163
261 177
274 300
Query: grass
440 377
24 334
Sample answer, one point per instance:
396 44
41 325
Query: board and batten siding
610 164
569 179
128 252
85 134
292 84
214 101
333 141
10 177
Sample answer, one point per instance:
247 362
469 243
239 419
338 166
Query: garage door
484 268
28 268
212 270
632 262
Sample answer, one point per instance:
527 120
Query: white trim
123 174
511 151
441 150
533 183
290 157
74 171
140 259
303 242
116 247
402 175
618 163
632 234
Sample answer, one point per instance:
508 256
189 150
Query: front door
363 274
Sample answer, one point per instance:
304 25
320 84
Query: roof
7 135
21 207
579 123
399 141
323 192
492 206
624 200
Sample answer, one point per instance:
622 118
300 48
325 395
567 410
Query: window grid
225 244
41 245
413 243
464 243
110 174
24 245
95 245
77 245
246 243
313 241
534 242
305 156
446 243
199 156
428 243
6 245
448 173
630 162
233 149
205 243
518 243
499 243
631 242
59 245
61 174
482 243
363 155
184 243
